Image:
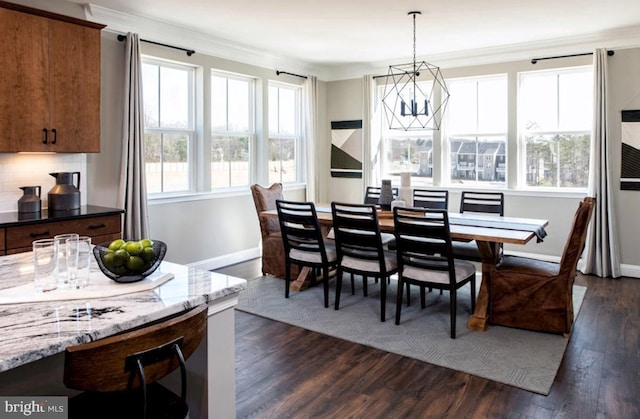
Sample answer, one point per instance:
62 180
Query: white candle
405 179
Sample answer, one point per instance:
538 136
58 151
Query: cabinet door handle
45 233
95 226
55 136
46 135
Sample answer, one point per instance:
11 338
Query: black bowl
124 274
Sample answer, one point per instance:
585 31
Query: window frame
191 132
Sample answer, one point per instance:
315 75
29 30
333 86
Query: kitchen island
34 335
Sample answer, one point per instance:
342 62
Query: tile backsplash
32 169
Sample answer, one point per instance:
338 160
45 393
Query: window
555 116
284 133
168 125
232 129
476 130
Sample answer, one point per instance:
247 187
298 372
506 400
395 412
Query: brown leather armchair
537 295
273 260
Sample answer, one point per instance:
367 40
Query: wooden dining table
489 232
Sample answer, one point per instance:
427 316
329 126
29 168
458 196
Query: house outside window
169 133
284 133
555 119
232 129
476 131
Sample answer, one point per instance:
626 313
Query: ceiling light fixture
408 103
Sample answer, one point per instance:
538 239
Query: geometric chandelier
409 103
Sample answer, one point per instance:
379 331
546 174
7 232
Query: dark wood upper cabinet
50 82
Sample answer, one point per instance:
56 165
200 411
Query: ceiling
333 33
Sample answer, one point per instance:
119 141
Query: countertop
11 219
33 331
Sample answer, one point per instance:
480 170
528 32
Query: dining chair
303 242
425 258
272 250
118 375
538 295
481 203
372 194
431 198
360 248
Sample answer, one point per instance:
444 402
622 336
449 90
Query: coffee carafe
65 194
30 200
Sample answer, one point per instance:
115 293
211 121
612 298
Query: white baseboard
226 260
631 271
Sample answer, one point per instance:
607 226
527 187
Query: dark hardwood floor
284 371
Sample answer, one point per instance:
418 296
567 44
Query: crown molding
170 33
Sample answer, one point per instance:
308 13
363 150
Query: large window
284 133
555 115
476 130
232 129
169 125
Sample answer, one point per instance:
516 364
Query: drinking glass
45 264
62 272
78 261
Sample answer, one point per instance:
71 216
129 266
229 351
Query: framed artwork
346 149
630 167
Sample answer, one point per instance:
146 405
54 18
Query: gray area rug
520 358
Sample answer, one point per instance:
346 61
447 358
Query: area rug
520 358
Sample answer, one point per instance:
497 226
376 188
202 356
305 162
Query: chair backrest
423 239
357 232
372 194
265 200
300 228
484 202
577 236
106 364
431 198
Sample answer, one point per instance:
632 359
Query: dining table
488 231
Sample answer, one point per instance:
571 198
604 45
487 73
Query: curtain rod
189 52
535 60
291 74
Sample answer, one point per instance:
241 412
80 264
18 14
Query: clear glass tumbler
45 264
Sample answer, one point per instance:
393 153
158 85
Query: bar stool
118 375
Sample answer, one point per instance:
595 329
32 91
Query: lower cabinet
101 229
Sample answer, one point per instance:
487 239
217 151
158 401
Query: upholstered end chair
538 295
273 259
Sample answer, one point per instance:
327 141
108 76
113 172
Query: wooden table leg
490 252
306 278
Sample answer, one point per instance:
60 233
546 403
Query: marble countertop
32 331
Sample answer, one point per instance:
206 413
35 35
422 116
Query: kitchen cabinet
100 227
50 82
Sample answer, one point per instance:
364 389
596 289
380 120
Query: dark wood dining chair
303 242
425 258
360 248
372 194
118 375
431 198
538 295
491 203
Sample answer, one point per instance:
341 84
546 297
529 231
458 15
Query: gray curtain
371 133
310 104
602 255
133 187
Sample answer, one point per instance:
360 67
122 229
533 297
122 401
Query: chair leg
365 283
473 294
453 306
287 279
383 299
423 298
408 293
338 286
399 298
353 285
325 283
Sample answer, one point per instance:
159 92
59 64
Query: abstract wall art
630 167
346 149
